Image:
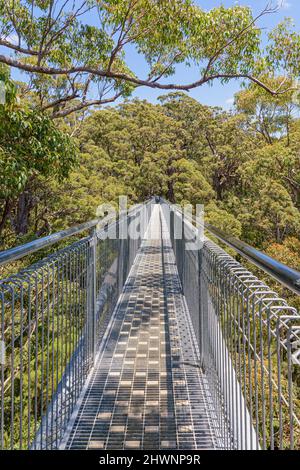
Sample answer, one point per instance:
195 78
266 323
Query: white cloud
230 101
285 4
13 38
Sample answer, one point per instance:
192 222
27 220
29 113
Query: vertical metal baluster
12 387
36 322
227 351
231 355
235 336
21 363
58 347
216 350
67 340
240 413
53 359
42 355
80 332
290 388
64 342
86 312
249 368
270 373
84 315
279 390
74 330
49 317
262 380
220 367
2 329
47 356
72 275
92 294
201 308
244 372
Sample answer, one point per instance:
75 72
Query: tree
287 252
266 209
223 219
31 147
215 139
274 212
283 49
134 149
270 116
69 60
277 161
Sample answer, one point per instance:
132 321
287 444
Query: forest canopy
243 165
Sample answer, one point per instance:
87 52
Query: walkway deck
142 394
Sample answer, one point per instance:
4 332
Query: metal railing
52 317
281 272
249 342
54 314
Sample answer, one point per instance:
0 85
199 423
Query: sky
216 94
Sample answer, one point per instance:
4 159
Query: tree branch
84 105
134 80
17 48
60 101
267 10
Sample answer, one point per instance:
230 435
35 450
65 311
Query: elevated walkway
146 390
102 340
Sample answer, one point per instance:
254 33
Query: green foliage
70 59
180 149
32 149
30 145
269 116
143 149
223 219
243 165
10 89
284 48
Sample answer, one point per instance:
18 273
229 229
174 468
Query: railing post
182 253
92 295
172 229
201 309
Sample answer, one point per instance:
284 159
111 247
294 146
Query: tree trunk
217 185
170 192
170 183
24 206
5 214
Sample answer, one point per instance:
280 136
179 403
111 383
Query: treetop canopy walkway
147 342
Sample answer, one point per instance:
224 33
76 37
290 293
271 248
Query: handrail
58 309
281 272
12 254
287 276
18 252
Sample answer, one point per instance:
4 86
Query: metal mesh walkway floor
145 391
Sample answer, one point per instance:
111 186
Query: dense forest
243 165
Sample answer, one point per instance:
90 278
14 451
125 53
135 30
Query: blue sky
218 95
